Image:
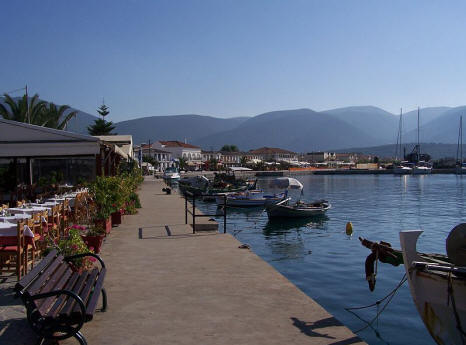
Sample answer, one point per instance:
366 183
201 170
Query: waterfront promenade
175 287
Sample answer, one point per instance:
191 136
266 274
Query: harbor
171 286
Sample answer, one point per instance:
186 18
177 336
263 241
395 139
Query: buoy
349 228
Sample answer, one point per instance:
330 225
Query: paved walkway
196 289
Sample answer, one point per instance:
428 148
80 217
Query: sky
228 58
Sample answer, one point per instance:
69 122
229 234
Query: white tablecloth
14 218
29 210
9 229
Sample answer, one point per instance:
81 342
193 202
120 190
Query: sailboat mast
418 146
461 131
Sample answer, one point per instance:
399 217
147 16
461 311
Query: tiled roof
270 151
175 143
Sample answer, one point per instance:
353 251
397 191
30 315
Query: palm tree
23 110
55 116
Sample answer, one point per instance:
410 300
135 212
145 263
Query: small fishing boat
250 198
171 174
437 282
195 184
299 209
438 287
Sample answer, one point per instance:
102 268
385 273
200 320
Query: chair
12 251
54 221
31 251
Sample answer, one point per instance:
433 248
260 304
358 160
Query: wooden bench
59 300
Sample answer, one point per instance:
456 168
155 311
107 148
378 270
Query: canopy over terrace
31 155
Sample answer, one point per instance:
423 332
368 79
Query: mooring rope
389 296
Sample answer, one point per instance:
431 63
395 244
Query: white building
164 158
192 154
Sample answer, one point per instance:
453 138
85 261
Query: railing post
185 209
224 214
194 214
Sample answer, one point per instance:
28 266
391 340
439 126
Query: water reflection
281 225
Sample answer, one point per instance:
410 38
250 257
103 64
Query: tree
151 160
182 163
213 164
55 117
229 148
103 111
100 126
243 161
28 110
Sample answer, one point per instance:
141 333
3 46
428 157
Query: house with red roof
178 149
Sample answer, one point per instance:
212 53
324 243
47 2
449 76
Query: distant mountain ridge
299 130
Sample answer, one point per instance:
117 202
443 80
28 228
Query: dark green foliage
101 127
229 148
103 111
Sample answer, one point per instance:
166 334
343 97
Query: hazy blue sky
235 58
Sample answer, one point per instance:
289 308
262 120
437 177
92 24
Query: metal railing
193 212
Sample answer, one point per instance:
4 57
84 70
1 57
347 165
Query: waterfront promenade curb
197 288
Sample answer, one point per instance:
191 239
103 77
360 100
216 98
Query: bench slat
76 289
36 286
56 283
86 292
92 304
27 279
53 312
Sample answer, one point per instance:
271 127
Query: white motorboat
250 198
422 168
438 285
171 174
299 209
403 168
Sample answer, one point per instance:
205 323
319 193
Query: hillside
443 129
373 121
176 127
298 130
436 151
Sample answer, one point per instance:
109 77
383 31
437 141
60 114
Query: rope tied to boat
377 303
451 297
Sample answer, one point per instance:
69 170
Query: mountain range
299 130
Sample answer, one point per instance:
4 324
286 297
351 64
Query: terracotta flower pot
116 218
105 223
94 242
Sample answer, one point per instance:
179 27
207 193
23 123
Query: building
164 158
34 156
124 143
191 153
320 157
274 154
209 155
231 159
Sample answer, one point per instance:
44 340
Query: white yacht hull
429 291
402 171
422 171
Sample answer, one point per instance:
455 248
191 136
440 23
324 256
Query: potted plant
72 245
93 236
102 191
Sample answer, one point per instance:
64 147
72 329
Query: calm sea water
319 258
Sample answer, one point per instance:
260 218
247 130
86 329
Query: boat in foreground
299 209
438 286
